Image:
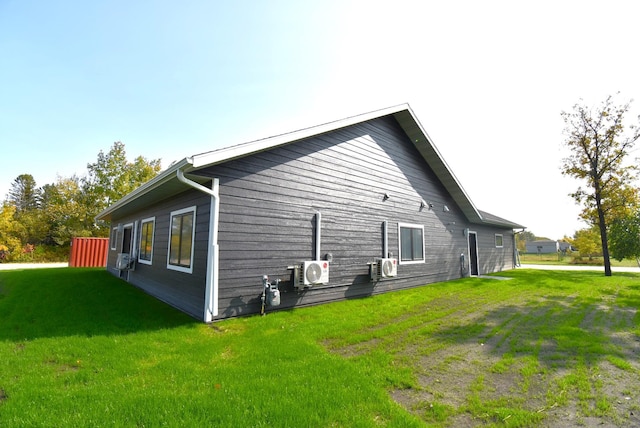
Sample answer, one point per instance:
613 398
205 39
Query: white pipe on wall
385 239
211 287
318 234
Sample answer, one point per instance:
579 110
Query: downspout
211 287
516 253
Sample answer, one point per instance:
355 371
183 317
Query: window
498 240
145 252
114 238
181 238
411 238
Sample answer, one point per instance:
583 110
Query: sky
488 81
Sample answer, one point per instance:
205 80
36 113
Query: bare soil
565 362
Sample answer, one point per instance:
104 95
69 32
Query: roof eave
156 182
405 117
402 113
419 137
508 225
214 157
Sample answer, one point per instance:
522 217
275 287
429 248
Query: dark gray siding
183 290
492 258
268 203
268 206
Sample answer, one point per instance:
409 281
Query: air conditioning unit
310 273
384 268
125 261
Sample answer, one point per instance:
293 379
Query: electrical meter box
273 296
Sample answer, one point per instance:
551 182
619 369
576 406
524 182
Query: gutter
157 182
211 287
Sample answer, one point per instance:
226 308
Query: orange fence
89 252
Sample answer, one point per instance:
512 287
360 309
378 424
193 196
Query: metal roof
166 183
499 221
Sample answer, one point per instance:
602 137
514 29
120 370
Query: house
346 209
545 246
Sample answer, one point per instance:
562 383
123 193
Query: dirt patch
562 362
61 367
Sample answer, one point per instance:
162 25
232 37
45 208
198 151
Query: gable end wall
268 204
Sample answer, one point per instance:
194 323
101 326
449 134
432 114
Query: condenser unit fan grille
387 267
313 272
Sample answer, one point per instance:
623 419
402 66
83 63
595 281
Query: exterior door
473 254
127 240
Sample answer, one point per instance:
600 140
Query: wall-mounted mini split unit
125 262
310 273
384 268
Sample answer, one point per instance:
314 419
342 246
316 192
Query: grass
569 260
78 347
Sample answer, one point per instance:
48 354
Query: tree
24 194
587 242
624 236
599 145
10 231
69 213
522 238
26 197
111 177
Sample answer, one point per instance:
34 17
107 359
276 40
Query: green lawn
81 348
558 259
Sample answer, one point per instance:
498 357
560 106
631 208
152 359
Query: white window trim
410 226
114 238
193 240
153 237
496 240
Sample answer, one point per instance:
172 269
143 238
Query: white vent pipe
318 234
385 239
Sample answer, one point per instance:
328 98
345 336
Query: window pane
185 244
411 243
149 241
174 251
405 244
114 237
146 240
418 246
181 237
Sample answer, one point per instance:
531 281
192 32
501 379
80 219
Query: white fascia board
417 134
422 139
224 154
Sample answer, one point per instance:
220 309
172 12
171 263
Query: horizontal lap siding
492 258
182 290
268 203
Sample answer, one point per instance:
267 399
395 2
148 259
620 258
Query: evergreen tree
24 194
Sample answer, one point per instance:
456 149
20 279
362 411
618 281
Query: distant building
564 246
547 246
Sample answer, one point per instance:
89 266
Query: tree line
38 222
598 140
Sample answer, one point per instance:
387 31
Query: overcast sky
487 80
